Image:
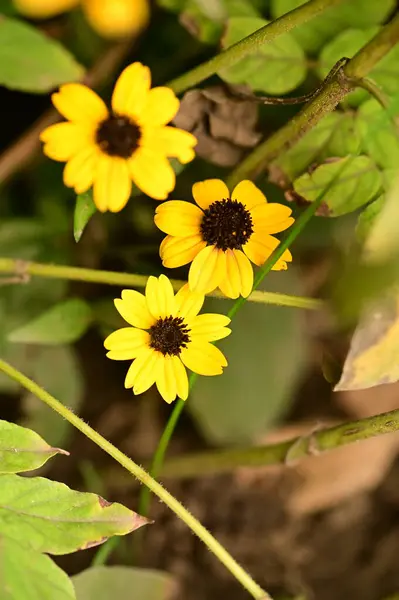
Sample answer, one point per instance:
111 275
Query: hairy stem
326 101
22 270
212 544
316 442
251 43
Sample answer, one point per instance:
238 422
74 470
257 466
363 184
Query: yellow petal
166 380
63 140
248 194
188 303
117 18
143 371
176 251
43 9
80 169
160 297
260 247
207 270
76 102
160 107
181 378
203 358
231 283
209 327
246 273
131 90
133 308
179 218
271 218
112 184
209 191
152 173
126 343
170 141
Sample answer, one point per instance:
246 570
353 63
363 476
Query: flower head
110 18
166 334
110 149
222 235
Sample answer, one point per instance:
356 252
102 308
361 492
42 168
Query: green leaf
307 151
22 449
315 33
102 583
84 210
277 68
367 218
379 137
28 575
345 138
32 62
347 43
57 370
50 517
63 324
266 355
359 183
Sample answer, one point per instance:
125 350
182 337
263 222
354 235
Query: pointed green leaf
84 210
52 518
102 583
22 449
359 183
64 323
276 68
32 62
347 43
29 575
315 33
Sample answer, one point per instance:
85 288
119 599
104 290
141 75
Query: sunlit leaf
32 62
50 517
84 210
380 137
316 32
276 68
347 43
102 583
22 449
266 355
359 183
29 575
62 324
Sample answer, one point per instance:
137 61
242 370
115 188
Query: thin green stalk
252 43
212 544
326 101
23 269
210 463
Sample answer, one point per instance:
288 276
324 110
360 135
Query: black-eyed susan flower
110 149
222 235
110 18
165 336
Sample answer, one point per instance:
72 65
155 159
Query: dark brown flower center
169 335
227 224
118 136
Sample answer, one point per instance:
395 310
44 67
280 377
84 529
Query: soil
348 552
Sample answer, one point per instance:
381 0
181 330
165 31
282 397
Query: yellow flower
108 149
222 236
110 18
166 335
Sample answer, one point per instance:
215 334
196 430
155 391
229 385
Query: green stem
207 463
212 544
326 101
251 44
24 269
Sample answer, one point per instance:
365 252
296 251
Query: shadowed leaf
22 449
50 517
29 575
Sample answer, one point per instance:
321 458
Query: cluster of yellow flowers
220 234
